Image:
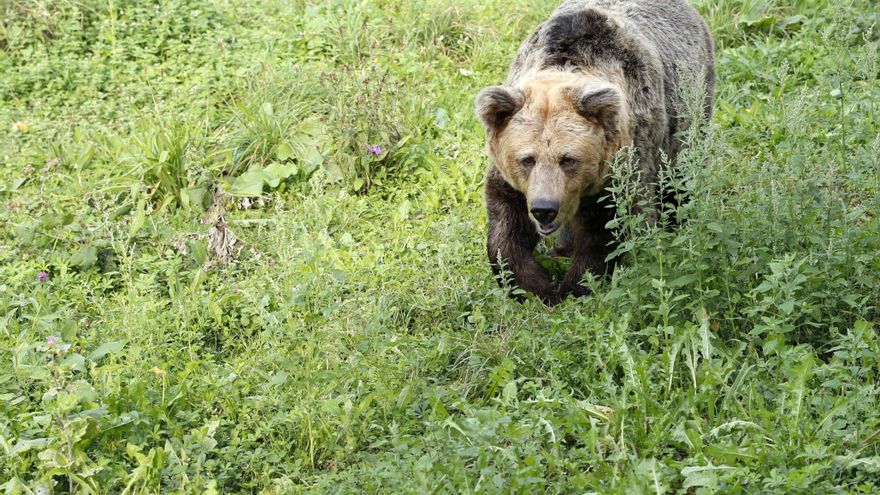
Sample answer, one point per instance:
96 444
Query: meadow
242 250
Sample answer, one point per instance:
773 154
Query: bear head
552 138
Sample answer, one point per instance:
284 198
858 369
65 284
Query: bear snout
544 211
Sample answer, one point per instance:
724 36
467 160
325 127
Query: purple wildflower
42 277
51 340
374 149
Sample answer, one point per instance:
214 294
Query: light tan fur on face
548 128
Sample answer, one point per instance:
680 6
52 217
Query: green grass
241 298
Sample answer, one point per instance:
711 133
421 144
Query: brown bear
596 77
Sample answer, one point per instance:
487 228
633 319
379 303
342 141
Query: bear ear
495 105
603 104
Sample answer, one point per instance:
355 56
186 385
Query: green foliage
242 251
381 127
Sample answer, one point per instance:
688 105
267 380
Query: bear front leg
591 244
564 244
512 240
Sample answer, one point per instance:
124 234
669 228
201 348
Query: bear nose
544 210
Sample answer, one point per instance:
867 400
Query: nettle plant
779 261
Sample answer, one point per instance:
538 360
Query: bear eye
527 162
567 162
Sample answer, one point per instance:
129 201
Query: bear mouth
546 230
